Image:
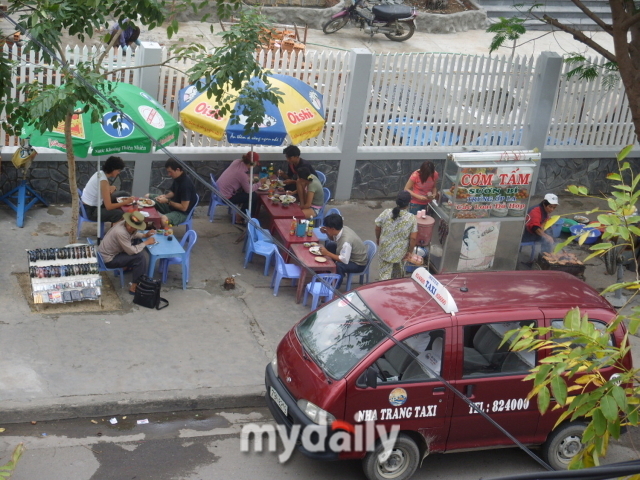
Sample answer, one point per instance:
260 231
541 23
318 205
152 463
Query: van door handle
469 391
438 390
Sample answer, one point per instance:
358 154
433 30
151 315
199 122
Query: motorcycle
394 21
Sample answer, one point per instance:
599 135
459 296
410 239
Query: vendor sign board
434 288
484 192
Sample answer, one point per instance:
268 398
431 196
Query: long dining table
307 259
278 211
281 230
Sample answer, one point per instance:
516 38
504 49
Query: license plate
278 399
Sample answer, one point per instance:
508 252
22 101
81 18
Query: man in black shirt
176 205
294 162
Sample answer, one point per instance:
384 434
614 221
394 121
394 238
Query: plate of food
315 250
263 188
121 199
287 198
321 259
581 219
146 202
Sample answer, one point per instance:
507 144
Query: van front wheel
400 465
562 445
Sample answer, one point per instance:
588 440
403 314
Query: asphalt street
205 444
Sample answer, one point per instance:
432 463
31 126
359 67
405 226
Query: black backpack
148 294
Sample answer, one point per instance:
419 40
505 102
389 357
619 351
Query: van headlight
274 364
315 413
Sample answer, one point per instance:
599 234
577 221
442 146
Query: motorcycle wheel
404 31
335 24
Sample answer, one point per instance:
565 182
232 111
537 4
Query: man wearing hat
234 183
534 223
118 250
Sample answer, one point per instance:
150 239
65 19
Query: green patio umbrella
119 132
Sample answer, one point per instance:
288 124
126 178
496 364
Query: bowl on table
594 233
567 223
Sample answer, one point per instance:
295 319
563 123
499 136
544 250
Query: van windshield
338 336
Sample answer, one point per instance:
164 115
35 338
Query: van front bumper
294 416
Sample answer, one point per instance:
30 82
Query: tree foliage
226 73
624 29
82 83
8 468
578 351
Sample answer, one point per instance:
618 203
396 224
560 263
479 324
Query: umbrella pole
99 202
251 181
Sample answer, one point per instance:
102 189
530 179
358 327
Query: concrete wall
373 179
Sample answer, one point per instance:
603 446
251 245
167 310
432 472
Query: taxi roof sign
434 288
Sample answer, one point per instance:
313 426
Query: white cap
551 198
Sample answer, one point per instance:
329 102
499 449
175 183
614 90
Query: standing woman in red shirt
422 186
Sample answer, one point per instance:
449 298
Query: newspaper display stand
62 275
481 212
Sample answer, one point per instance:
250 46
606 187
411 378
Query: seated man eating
176 205
117 248
345 247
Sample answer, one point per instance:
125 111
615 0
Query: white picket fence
432 101
30 68
590 114
444 99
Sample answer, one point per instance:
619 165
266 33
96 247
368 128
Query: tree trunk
73 184
628 58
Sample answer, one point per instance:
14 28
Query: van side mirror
368 379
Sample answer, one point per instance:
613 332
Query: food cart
481 212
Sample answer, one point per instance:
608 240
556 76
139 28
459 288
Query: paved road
205 445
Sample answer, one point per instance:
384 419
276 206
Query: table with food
282 230
309 256
280 206
146 206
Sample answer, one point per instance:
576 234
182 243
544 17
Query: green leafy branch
7 469
571 376
226 73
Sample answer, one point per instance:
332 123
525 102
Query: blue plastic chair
189 221
283 270
118 272
327 196
322 177
258 243
83 217
371 252
216 200
188 241
323 236
318 289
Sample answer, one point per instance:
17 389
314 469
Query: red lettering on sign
208 111
301 116
515 179
476 179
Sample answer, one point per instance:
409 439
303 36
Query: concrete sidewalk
472 42
207 349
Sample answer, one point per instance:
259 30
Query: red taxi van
336 368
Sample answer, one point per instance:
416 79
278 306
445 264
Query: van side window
398 366
483 354
599 325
